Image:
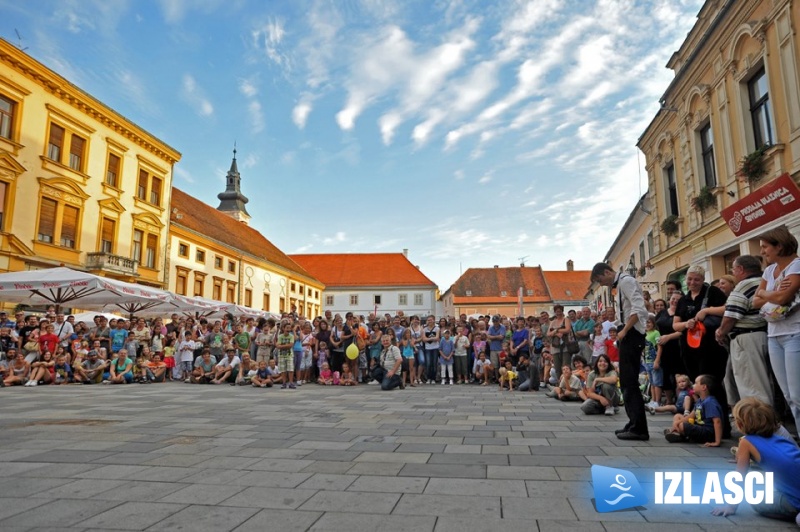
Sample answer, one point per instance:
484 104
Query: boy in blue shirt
446 352
704 423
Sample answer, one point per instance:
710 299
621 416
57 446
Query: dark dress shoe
628 435
626 428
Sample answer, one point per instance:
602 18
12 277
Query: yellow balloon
352 351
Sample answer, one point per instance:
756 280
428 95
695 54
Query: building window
294 287
642 259
136 252
151 252
417 300
180 281
402 300
650 252
529 292
3 190
503 293
200 256
248 298
217 293
266 303
707 153
329 301
107 232
282 306
47 220
55 144
76 158
145 246
354 300
231 266
58 222
217 262
672 190
309 292
376 300
149 186
316 294
155 191
231 292
760 109
199 281
112 170
7 110
183 250
141 187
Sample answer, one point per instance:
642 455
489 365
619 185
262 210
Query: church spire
232 201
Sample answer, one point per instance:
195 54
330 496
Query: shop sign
763 205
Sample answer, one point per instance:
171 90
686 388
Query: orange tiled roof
363 269
486 285
217 225
567 285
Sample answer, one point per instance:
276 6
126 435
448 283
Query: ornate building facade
80 185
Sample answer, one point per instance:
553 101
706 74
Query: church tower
232 201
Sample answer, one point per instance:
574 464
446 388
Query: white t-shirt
186 350
229 362
461 344
790 325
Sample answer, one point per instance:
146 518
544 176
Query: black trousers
630 355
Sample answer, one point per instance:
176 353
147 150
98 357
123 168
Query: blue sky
472 133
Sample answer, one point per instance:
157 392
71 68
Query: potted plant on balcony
753 166
670 225
703 200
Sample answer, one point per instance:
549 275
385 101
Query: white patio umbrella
221 308
60 286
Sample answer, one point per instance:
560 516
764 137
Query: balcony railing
111 263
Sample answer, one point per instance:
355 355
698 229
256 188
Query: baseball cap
694 336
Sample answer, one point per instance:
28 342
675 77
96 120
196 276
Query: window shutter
107 236
113 170
47 220
141 191
69 226
76 146
56 142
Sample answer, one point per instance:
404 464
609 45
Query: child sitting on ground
704 423
684 401
262 377
773 453
569 387
325 375
347 378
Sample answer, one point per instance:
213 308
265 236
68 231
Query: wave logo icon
616 489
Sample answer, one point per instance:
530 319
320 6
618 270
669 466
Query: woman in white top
777 293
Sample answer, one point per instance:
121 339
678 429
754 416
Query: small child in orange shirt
611 347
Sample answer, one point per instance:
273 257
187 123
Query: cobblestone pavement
460 458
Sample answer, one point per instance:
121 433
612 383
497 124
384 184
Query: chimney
405 252
496 266
570 266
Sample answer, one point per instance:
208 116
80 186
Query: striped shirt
739 305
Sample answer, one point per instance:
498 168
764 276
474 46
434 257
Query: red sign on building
764 205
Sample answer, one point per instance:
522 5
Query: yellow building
80 185
216 255
735 90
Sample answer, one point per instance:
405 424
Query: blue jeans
784 355
431 357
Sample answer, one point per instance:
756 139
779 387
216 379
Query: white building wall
338 300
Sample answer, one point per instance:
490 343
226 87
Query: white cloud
301 111
195 96
256 116
248 88
459 175
338 238
250 161
183 175
486 178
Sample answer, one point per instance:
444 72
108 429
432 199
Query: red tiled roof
487 284
363 269
206 220
568 285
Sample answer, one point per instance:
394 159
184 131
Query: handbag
710 322
572 344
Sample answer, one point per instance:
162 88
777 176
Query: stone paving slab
328 459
